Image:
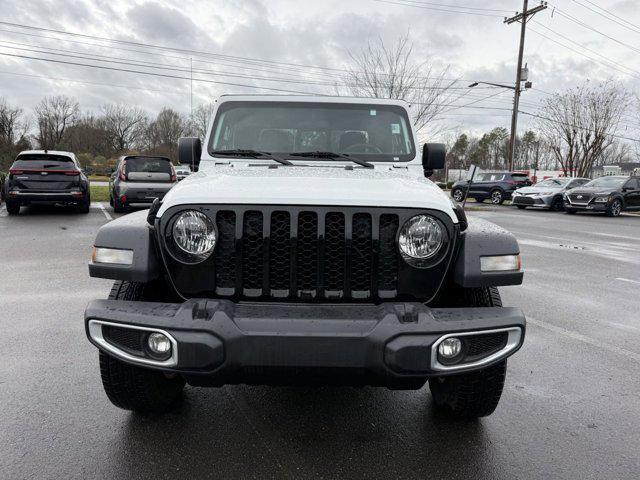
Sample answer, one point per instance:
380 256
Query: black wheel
474 394
521 207
13 208
457 194
117 205
572 211
85 206
615 209
557 205
497 197
134 388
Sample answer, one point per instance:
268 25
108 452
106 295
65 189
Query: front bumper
216 342
530 201
587 207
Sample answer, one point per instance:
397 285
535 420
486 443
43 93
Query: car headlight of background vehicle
601 199
191 236
421 238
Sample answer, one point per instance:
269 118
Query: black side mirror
433 157
189 152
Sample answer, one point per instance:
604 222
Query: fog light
159 343
500 263
450 348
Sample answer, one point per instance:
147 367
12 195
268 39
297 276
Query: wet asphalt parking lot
570 408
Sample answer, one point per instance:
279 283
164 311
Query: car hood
308 185
543 190
591 190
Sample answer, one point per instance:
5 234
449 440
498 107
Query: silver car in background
139 180
546 194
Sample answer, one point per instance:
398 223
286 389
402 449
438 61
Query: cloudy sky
244 46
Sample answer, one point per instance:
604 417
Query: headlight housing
421 238
193 236
601 199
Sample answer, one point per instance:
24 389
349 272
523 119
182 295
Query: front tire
497 197
615 209
457 194
557 205
135 388
475 394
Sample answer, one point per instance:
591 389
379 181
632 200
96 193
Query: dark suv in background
139 180
46 176
611 195
496 186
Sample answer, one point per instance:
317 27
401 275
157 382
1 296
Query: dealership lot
569 410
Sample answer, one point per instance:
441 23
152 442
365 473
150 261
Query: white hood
307 185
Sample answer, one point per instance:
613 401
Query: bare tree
383 71
199 121
124 124
163 133
54 115
579 124
12 123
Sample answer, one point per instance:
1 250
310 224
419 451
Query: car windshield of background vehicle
43 162
553 182
613 182
519 177
148 165
370 132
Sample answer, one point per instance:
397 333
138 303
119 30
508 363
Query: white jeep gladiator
308 247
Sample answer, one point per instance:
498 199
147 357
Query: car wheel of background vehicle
614 209
570 210
521 207
134 388
557 205
474 394
117 206
13 208
497 197
85 206
457 194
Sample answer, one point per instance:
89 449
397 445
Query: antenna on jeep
472 173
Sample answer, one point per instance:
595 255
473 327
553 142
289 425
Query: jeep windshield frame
367 131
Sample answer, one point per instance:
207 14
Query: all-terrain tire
475 394
135 388
13 208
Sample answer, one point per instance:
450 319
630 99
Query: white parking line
585 339
628 280
104 210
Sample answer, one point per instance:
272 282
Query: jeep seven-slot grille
306 255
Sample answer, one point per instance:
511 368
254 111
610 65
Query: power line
439 9
635 73
589 27
623 22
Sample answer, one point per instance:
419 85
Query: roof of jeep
310 98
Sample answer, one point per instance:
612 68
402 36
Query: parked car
546 193
496 186
611 195
182 172
297 256
46 176
139 180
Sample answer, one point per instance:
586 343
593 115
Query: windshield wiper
240 152
332 155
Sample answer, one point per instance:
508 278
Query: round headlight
194 233
421 237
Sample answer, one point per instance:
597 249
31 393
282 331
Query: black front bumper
218 342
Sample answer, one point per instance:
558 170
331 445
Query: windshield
371 132
553 182
613 182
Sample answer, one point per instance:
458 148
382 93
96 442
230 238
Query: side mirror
189 152
433 157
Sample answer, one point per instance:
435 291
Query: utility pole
191 87
522 18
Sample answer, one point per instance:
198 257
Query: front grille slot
306 254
